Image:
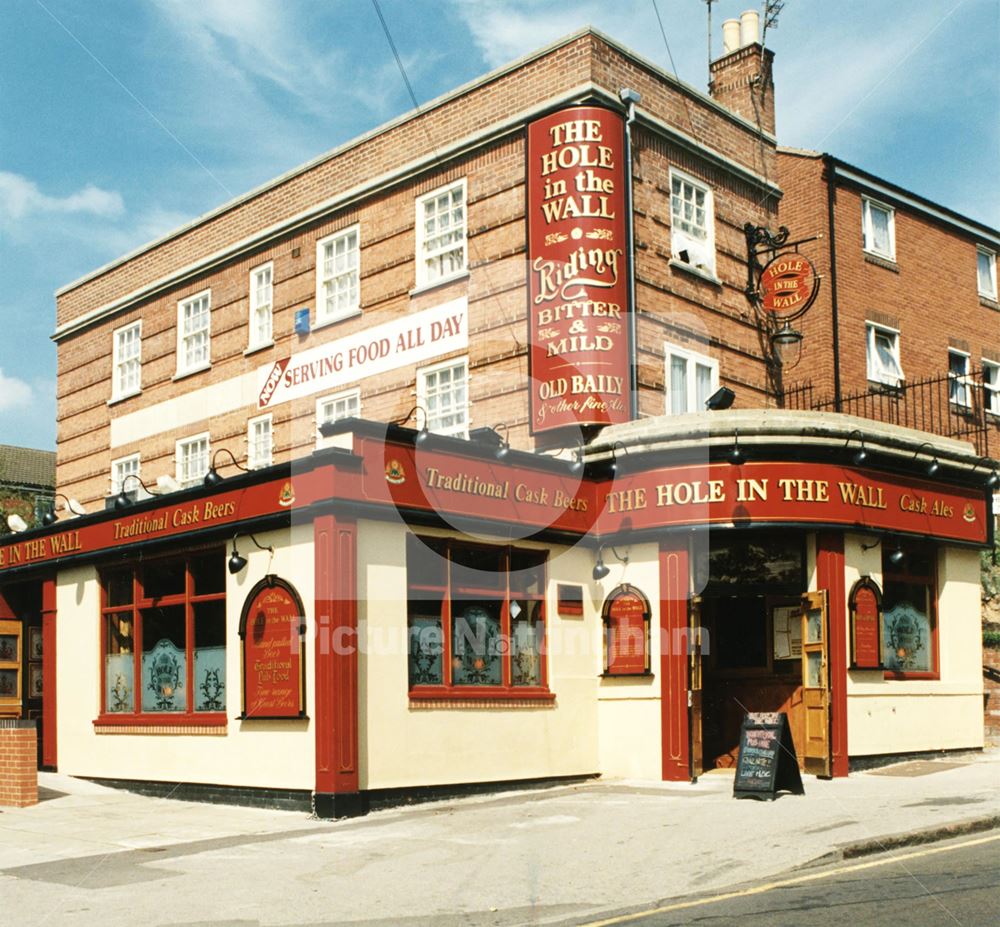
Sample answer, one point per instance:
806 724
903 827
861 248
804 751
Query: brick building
441 397
906 327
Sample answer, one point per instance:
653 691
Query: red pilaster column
336 723
674 596
830 576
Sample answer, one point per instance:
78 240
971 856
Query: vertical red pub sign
578 269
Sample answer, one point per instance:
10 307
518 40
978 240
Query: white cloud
15 394
20 198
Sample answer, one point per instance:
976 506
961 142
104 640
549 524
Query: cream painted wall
269 754
629 721
406 746
899 716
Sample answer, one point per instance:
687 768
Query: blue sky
122 119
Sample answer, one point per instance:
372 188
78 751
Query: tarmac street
563 855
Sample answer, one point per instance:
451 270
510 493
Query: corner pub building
396 474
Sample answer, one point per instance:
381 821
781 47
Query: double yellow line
784 883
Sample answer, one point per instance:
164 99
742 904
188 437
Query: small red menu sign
866 626
578 269
627 628
273 664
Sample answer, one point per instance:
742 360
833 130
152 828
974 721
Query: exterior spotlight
600 568
71 505
327 428
721 399
16 524
861 454
896 556
993 480
213 477
735 454
122 500
237 562
933 467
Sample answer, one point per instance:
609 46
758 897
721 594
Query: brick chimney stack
742 79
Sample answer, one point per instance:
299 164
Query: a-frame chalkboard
767 763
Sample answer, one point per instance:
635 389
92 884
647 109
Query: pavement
92 855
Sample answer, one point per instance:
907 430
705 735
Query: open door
694 688
816 757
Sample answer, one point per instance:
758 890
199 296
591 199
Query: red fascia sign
578 268
787 285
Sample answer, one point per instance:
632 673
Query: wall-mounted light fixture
861 454
895 556
721 399
933 465
16 523
601 569
489 437
237 561
71 505
735 454
213 477
786 344
122 500
992 480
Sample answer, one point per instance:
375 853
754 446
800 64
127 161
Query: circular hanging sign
788 285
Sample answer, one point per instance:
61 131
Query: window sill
334 319
989 302
705 275
114 400
179 723
880 260
893 387
480 697
183 374
254 348
434 284
901 676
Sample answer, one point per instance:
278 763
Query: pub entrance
762 647
21 651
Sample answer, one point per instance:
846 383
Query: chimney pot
749 28
730 36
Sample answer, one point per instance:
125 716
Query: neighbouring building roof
27 467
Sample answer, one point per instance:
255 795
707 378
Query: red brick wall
18 766
668 297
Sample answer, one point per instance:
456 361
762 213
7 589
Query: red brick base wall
991 695
18 764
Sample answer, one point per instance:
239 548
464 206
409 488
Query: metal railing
950 406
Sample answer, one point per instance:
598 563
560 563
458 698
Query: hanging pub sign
578 269
787 286
272 636
865 606
626 632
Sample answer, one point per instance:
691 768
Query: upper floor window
690 379
991 387
959 388
121 469
127 361
692 222
986 272
443 395
883 355
260 447
337 274
441 235
163 636
261 306
193 331
878 229
192 459
339 406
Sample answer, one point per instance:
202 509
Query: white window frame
693 360
867 238
991 387
183 367
876 372
117 391
345 396
701 254
181 443
425 276
254 340
960 384
253 462
991 258
135 490
353 306
460 429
